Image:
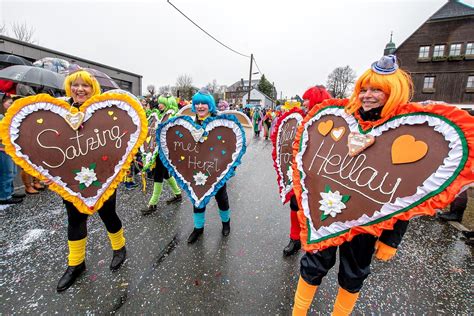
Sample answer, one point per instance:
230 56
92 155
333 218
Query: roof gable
452 9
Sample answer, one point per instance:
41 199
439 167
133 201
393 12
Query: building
237 93
258 98
439 55
126 80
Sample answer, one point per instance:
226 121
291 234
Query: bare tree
164 89
340 80
22 32
3 29
184 85
151 89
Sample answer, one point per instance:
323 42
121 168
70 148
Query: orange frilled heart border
461 118
78 203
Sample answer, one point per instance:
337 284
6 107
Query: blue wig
204 97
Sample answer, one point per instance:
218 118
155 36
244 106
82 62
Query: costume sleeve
393 238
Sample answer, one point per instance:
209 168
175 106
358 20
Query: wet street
242 274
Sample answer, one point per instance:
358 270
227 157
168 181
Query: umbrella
13 60
104 80
54 64
33 76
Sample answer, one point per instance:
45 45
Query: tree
216 90
3 29
164 89
266 87
340 81
184 84
151 89
23 33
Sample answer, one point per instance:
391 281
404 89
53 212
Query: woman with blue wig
204 106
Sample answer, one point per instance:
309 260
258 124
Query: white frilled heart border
434 184
18 118
208 125
284 188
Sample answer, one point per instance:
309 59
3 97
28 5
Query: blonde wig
86 77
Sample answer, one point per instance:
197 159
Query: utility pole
250 78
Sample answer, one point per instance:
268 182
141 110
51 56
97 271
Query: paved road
243 274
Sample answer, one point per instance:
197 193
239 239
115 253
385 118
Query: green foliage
265 86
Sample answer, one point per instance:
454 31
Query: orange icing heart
405 149
325 127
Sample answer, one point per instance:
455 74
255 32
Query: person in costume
257 117
311 97
223 105
204 106
377 95
266 123
168 107
81 86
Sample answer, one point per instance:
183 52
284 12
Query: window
438 51
470 82
428 84
470 49
424 52
455 50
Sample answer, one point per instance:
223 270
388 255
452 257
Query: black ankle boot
176 198
450 216
70 276
150 209
195 235
226 228
118 258
292 248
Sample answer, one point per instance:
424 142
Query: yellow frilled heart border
78 203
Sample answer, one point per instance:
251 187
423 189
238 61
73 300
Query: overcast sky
296 43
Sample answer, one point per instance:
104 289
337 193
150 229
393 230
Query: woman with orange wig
377 96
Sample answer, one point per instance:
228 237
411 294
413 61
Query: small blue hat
387 65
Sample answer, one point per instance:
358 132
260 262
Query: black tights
77 221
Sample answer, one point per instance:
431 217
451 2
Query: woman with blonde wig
81 86
378 95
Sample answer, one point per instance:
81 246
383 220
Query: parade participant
168 108
81 86
223 105
204 106
377 96
257 117
311 97
8 168
266 123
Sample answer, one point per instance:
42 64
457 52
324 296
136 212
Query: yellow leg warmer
303 297
345 302
117 241
77 252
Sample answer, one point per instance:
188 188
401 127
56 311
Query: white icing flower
200 178
86 176
331 204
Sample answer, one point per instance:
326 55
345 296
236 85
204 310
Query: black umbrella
14 60
31 75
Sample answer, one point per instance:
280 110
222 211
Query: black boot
226 228
70 276
450 216
118 258
150 209
292 248
195 235
176 198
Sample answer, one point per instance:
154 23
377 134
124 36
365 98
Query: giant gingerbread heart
201 157
343 195
283 136
85 164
